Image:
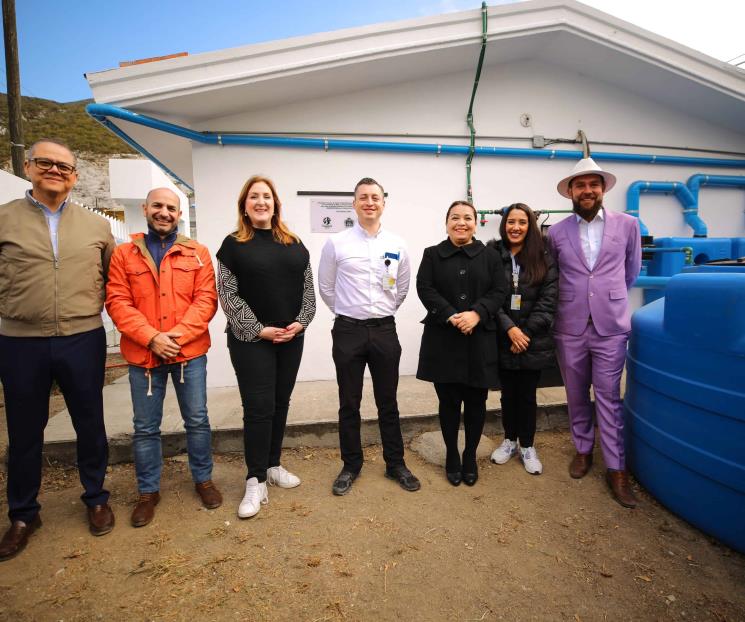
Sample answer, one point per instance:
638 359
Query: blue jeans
148 413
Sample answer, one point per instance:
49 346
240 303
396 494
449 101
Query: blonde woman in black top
265 285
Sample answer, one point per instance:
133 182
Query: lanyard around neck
515 272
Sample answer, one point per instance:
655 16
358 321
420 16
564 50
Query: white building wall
420 187
130 180
12 187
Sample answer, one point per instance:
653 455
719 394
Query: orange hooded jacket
142 302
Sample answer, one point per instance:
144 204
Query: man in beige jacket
54 255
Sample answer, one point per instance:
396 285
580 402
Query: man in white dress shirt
363 277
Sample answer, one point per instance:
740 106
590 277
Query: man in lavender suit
599 256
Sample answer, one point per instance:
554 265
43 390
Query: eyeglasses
46 165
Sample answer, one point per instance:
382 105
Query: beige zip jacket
41 296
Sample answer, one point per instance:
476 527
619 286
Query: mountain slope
43 118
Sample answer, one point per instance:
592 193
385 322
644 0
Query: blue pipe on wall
138 147
101 112
695 182
677 188
686 193
632 203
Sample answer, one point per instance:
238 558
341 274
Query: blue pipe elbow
679 190
633 196
690 210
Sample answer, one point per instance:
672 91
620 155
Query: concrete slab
431 447
312 420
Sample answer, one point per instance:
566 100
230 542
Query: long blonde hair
245 230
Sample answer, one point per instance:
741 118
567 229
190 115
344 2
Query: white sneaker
280 476
255 497
504 452
530 460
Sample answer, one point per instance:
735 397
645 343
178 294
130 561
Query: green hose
469 116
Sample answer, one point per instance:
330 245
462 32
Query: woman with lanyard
525 343
265 285
461 284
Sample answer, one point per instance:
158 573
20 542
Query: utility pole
15 122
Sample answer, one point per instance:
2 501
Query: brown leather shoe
16 538
620 487
580 465
210 495
144 511
100 519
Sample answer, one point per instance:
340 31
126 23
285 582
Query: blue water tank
703 250
738 248
685 400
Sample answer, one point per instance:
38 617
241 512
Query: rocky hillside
66 122
92 143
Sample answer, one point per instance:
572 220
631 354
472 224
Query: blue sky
60 40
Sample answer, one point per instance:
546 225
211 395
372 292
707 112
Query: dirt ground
513 547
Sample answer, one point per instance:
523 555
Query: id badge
390 270
515 302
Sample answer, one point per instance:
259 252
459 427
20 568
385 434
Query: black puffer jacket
535 317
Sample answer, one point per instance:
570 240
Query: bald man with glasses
54 256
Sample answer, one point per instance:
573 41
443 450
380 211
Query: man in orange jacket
161 295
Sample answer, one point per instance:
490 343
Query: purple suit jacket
602 292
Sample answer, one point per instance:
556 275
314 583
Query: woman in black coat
461 284
525 319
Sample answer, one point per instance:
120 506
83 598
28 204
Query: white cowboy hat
586 166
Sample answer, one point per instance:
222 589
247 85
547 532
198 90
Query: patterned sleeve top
263 282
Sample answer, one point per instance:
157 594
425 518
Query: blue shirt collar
62 205
155 236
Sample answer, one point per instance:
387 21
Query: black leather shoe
454 477
469 479
343 482
405 478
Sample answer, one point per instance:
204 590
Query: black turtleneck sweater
270 275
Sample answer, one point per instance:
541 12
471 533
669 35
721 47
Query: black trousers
519 404
354 346
473 399
28 365
266 374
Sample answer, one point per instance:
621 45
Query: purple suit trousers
592 326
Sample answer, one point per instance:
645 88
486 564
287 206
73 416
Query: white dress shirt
364 276
591 236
